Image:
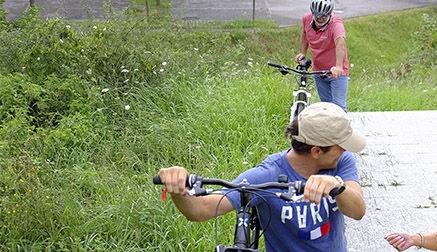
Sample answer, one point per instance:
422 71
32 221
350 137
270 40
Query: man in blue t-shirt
322 140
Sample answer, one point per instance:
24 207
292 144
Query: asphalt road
283 12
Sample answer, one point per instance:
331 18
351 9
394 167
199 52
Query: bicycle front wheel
296 109
299 108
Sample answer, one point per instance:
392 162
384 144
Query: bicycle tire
299 108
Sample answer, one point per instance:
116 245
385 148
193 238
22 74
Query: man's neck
303 164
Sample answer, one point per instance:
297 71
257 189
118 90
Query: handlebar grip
189 182
157 180
275 65
305 62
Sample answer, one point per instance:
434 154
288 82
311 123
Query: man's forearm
340 51
351 202
303 44
203 207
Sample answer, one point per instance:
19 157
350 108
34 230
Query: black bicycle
247 228
301 97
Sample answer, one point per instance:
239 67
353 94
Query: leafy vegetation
90 111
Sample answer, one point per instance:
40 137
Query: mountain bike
301 97
247 227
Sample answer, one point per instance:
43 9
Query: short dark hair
291 130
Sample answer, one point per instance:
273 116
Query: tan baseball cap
325 124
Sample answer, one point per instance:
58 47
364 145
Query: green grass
91 111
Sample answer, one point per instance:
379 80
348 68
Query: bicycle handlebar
285 70
195 183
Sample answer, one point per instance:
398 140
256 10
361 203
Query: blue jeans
333 90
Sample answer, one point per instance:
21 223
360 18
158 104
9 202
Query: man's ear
316 152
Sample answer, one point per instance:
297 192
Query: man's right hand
174 179
299 57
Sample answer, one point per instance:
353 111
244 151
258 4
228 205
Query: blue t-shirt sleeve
347 168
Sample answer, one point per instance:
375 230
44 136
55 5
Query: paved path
398 173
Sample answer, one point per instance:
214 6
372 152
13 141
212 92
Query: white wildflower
127 107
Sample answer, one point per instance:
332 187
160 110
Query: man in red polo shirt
325 35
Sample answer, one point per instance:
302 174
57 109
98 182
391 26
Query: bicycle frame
301 97
243 228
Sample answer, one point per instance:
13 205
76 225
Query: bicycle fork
301 100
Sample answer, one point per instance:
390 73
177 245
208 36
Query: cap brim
355 143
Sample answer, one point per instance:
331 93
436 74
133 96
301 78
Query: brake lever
196 186
283 71
289 197
197 191
325 75
296 198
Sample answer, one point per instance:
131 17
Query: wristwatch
343 185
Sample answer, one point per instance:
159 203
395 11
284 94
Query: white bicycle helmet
322 8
